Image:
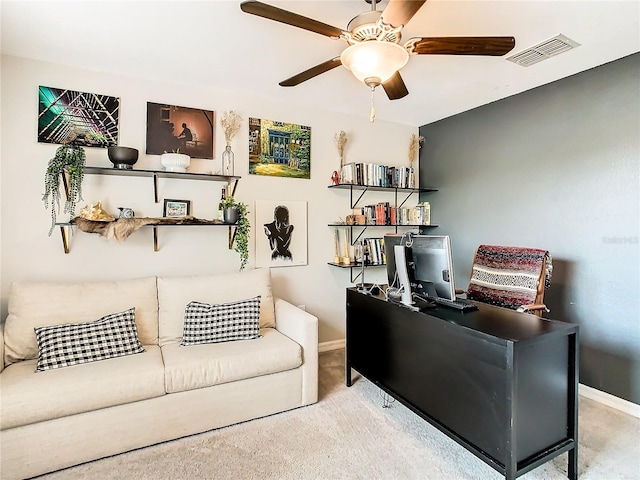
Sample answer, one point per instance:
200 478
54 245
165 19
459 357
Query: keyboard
459 303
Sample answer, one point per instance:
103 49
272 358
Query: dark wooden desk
502 384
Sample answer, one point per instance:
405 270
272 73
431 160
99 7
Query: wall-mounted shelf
365 188
356 265
230 180
156 174
364 228
359 191
65 231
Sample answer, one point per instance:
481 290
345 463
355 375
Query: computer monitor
428 261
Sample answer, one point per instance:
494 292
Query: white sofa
58 418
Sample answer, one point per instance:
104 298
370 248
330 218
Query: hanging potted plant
236 213
70 158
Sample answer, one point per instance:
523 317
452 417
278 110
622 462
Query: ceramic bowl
123 157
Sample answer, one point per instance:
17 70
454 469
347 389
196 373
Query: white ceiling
215 44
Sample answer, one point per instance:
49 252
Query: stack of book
383 214
374 175
374 251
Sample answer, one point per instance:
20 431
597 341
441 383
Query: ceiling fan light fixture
374 61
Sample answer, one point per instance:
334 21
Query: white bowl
175 162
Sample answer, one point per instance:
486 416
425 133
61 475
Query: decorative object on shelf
414 148
241 236
122 228
279 149
176 208
125 212
341 141
170 127
92 118
70 158
230 122
96 213
175 161
346 257
228 161
336 245
284 239
335 178
123 157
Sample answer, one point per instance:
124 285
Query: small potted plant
236 213
70 158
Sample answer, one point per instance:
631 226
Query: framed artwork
176 208
281 233
180 130
279 149
85 119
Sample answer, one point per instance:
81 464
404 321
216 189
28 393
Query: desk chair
511 277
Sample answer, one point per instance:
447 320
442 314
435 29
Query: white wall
27 253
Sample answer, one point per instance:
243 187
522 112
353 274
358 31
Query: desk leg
573 464
348 373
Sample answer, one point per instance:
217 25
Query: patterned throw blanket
508 276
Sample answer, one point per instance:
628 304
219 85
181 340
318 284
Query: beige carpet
348 435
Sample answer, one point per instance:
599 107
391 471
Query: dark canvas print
86 119
180 130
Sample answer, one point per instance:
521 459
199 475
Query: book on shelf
376 175
374 248
382 213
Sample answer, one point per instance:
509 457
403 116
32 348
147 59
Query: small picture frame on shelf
176 208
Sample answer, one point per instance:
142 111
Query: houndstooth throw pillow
204 323
64 345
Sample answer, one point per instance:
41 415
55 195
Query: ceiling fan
374 54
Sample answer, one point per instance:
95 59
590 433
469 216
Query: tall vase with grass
230 122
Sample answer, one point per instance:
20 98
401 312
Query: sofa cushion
204 323
40 304
70 344
28 397
199 366
174 293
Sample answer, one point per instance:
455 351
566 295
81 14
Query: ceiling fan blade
395 87
494 46
283 16
399 12
312 72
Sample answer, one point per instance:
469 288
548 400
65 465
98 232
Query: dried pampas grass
341 140
230 122
414 146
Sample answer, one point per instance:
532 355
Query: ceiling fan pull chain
372 115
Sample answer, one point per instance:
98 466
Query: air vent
547 49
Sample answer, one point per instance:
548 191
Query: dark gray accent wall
556 167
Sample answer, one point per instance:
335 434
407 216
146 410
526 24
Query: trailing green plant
241 237
70 158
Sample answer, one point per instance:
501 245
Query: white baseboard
333 345
610 400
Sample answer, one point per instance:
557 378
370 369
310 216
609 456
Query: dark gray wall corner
556 167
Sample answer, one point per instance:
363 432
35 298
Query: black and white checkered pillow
64 345
204 323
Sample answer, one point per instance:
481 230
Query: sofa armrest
302 328
1 346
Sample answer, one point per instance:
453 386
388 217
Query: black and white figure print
283 240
